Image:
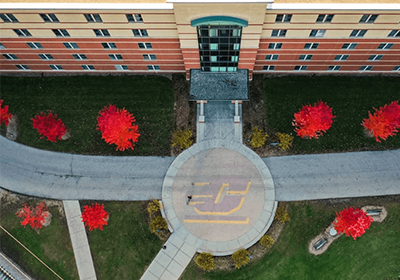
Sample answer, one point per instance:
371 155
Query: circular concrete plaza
222 195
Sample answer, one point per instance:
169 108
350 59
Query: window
366 68
385 46
394 33
22 32
71 45
358 33
375 57
396 68
300 68
109 45
46 56
10 56
79 56
306 57
33 45
324 18
368 18
115 56
278 33
56 67
334 68
140 32
275 46
268 68
271 57
134 18
311 46
149 57
153 67
22 67
8 18
349 46
341 57
121 67
49 18
145 45
93 18
61 32
317 33
87 67
101 32
2 47
283 18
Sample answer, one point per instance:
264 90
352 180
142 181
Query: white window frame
46 56
22 67
145 46
56 67
272 57
311 46
121 67
394 33
396 68
301 68
2 47
349 47
274 46
153 67
141 32
115 57
326 18
341 57
305 57
385 46
334 67
149 57
34 45
49 17
283 18
134 17
70 45
365 68
367 18
109 47
375 57
101 32
279 32
79 56
10 56
88 67
93 18
268 68
61 32
9 18
23 32
318 33
358 33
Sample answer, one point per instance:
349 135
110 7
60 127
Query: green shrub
258 138
182 138
205 261
241 257
267 241
158 224
285 140
153 207
281 214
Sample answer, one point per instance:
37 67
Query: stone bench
374 212
320 243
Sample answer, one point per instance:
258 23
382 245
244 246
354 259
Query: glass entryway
219 47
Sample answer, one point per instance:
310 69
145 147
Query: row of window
325 18
87 67
357 33
330 68
10 56
89 17
345 46
374 57
97 32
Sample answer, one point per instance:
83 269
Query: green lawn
52 245
77 101
126 246
375 255
350 97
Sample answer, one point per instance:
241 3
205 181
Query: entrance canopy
219 20
219 86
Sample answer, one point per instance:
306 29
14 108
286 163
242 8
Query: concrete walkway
324 176
68 176
79 240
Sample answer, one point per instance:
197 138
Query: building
172 36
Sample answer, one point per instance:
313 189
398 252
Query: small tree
117 127
241 257
95 217
312 121
158 224
352 221
267 241
153 207
258 138
5 116
281 214
285 140
384 122
49 126
182 138
205 261
35 217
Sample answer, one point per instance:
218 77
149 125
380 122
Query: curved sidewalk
75 177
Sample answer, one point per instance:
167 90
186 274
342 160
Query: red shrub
94 216
4 114
49 126
33 217
117 127
311 121
384 122
352 221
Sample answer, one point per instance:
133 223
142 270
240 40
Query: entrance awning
219 20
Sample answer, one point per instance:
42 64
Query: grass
77 101
375 255
350 97
125 247
52 245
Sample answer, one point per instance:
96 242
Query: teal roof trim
219 20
